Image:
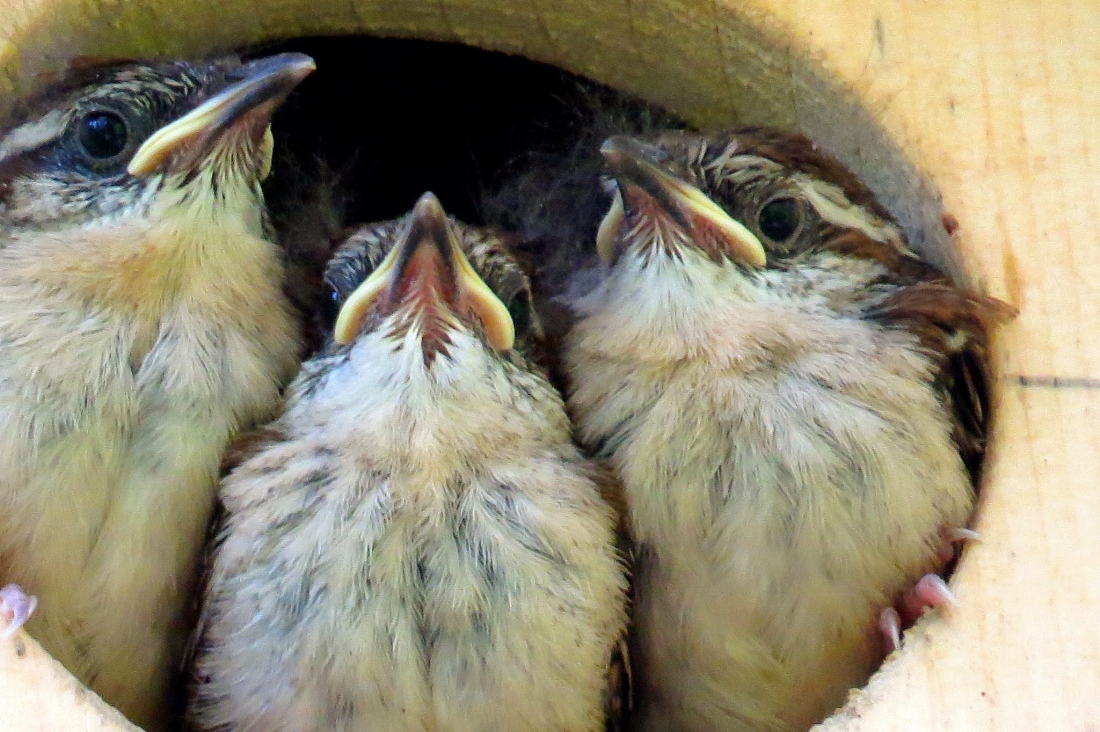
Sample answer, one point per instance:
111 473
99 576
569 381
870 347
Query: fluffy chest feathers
116 316
776 420
130 353
787 467
348 596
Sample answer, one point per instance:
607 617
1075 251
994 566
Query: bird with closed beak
417 544
796 405
142 324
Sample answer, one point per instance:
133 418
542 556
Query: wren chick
795 403
141 326
418 545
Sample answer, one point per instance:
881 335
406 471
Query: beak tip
427 229
614 144
428 205
630 162
428 225
293 66
429 208
615 153
299 66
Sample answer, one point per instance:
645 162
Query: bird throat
139 268
425 298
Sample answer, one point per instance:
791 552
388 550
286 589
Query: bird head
432 317
752 216
113 143
430 278
755 199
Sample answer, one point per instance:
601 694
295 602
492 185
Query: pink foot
931 591
16 605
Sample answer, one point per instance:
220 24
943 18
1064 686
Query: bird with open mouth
142 324
416 544
796 406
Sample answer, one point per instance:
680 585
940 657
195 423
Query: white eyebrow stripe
744 170
32 135
723 159
828 200
728 163
834 207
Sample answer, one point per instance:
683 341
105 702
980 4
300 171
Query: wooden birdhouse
975 123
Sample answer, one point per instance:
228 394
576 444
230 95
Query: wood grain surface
995 101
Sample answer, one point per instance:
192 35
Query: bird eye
779 219
102 134
520 311
330 309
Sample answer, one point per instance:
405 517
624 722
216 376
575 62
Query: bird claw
930 591
16 605
889 624
956 536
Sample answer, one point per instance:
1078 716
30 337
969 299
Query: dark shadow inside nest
394 118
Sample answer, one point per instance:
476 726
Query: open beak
632 167
426 268
255 91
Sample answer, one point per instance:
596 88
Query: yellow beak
684 203
427 257
262 87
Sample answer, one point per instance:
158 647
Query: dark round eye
330 309
103 134
520 310
779 219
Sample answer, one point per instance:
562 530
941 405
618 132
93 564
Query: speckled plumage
790 438
141 326
418 545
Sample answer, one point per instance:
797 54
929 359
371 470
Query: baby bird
794 402
418 545
141 325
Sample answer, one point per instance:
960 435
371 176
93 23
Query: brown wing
953 327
